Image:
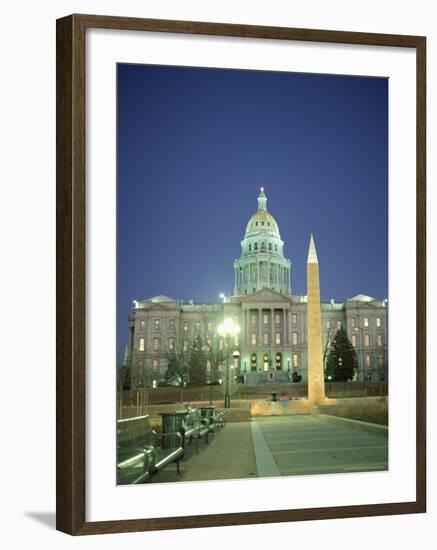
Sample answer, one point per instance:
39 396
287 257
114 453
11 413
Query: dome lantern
262 200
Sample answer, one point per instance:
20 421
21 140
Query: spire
312 254
262 200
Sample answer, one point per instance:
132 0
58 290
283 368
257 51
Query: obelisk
316 380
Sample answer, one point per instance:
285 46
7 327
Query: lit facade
273 338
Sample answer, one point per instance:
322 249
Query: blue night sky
195 145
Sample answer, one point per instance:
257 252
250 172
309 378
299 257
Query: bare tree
178 364
330 335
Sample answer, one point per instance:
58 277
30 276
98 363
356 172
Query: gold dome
262 220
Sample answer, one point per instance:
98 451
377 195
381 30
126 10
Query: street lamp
228 329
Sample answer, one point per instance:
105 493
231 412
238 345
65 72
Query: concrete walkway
229 454
282 446
304 444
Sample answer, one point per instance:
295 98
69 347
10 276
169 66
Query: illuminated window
378 321
354 340
156 344
197 326
185 345
338 325
156 324
210 327
171 324
141 344
208 366
353 322
142 324
294 318
366 340
278 361
266 318
253 338
155 365
380 361
277 318
294 338
277 338
379 339
265 338
328 324
368 360
366 321
171 344
295 360
185 326
253 361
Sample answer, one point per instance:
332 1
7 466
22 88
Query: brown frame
70 297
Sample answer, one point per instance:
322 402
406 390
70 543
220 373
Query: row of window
254 317
171 325
353 323
366 340
266 338
278 361
263 247
156 343
379 360
266 318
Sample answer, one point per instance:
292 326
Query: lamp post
228 329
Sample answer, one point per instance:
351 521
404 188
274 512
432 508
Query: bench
139 455
214 419
194 425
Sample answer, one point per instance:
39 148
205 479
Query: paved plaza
283 445
306 444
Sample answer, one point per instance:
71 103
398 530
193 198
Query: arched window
270 246
250 248
263 245
256 246
253 361
278 360
266 362
276 247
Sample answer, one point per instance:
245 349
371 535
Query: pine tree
341 363
197 363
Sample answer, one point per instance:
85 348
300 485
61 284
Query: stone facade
273 340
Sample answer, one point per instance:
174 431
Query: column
284 325
289 327
316 382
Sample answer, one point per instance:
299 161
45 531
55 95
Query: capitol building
273 321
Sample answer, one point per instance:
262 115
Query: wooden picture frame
71 283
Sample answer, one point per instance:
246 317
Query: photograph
252 274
